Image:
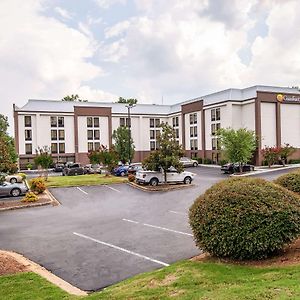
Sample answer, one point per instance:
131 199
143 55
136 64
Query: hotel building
72 129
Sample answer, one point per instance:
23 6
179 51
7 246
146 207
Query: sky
158 51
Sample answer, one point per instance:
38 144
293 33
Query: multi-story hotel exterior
72 129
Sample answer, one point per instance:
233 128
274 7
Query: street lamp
129 107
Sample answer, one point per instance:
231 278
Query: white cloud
107 3
63 13
41 57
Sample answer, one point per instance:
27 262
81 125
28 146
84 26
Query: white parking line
178 213
121 249
81 190
112 189
158 227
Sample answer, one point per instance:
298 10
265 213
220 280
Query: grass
93 179
184 280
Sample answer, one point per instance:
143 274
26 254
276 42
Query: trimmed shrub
23 175
207 161
131 178
290 181
37 185
199 160
245 219
223 162
30 197
294 161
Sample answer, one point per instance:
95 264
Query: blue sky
147 49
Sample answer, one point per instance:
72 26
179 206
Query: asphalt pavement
101 235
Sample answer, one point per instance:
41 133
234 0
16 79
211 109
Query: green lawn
183 280
93 179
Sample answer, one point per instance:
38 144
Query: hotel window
177 133
90 146
61 121
216 114
27 121
28 148
90 134
152 145
175 121
96 122
96 134
157 134
54 148
215 127
61 135
124 122
151 123
53 121
157 122
53 135
28 135
89 121
152 134
193 118
97 146
214 144
191 131
194 144
61 147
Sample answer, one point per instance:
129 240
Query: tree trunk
165 176
241 168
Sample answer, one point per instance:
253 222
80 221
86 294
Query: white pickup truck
154 178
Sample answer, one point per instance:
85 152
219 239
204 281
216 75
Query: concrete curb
159 189
210 166
36 268
53 199
263 171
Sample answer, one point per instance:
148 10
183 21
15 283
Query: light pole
129 107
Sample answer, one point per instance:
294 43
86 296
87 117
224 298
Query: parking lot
101 235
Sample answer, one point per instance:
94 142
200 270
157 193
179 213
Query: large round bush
245 218
290 181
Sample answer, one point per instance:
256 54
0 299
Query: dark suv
73 170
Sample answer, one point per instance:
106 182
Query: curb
36 268
157 189
53 199
262 171
210 166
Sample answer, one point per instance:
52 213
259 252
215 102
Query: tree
127 101
271 155
285 152
123 146
238 145
8 154
105 156
73 98
168 154
44 159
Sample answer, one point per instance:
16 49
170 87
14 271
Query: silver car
188 162
13 189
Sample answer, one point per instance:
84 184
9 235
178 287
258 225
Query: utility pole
129 107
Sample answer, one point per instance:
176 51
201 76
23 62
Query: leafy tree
169 152
105 156
8 154
73 98
123 147
271 155
127 101
238 145
285 152
44 159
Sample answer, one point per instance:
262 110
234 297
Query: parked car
188 162
73 170
12 178
135 167
155 177
58 167
12 189
231 168
121 171
93 169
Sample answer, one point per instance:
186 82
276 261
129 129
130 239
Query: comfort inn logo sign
289 98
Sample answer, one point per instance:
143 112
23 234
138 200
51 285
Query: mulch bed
8 265
13 204
289 256
161 187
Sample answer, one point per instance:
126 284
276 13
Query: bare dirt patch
165 282
289 256
9 265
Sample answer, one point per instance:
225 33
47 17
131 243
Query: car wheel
13 180
15 192
195 164
154 182
187 180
